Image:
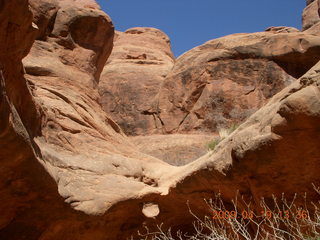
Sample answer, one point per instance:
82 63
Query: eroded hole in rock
150 210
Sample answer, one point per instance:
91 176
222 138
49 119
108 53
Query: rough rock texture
281 29
131 79
310 15
315 27
175 149
227 79
26 189
308 2
275 151
74 35
60 145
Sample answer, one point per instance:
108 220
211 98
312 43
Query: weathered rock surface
59 142
76 35
310 15
227 79
175 149
131 79
281 29
28 194
315 26
310 1
275 151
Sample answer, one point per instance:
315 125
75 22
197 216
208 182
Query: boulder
225 80
132 76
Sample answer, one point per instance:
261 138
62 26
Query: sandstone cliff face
310 15
225 80
311 18
131 79
79 143
57 144
60 142
18 114
72 33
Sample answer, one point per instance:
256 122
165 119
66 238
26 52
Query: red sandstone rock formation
225 80
132 77
310 15
57 144
311 18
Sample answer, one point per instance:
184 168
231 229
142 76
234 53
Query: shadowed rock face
29 199
69 172
227 79
72 33
56 142
132 76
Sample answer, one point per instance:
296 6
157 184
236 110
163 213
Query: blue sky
190 23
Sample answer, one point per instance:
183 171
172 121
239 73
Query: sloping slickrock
131 79
79 143
226 80
59 144
310 15
275 151
76 147
175 149
315 29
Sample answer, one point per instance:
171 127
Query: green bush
223 133
212 144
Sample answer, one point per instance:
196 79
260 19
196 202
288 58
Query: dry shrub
285 220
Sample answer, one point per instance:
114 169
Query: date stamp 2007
286 214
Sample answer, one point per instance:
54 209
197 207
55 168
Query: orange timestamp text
285 214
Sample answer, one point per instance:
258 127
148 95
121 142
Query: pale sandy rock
76 153
175 149
131 79
315 29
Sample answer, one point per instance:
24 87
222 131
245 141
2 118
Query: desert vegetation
223 133
281 219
